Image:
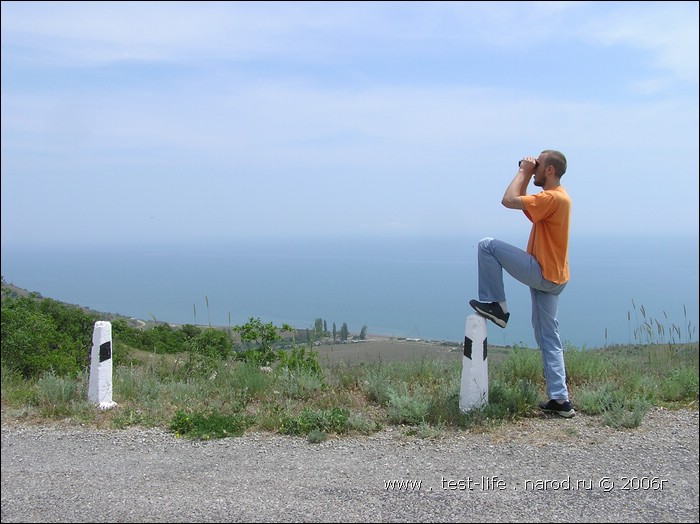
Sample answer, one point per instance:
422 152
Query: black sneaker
492 311
565 410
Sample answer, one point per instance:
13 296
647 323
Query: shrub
211 425
33 344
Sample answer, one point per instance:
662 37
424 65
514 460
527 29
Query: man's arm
516 189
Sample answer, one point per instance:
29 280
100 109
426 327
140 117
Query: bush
333 420
33 343
210 425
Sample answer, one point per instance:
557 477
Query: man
544 267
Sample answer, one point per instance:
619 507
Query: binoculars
537 164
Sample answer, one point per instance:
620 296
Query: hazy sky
177 121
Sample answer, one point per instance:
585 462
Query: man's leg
492 296
546 327
494 257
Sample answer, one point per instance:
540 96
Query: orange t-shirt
549 212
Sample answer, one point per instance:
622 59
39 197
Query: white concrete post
100 384
474 392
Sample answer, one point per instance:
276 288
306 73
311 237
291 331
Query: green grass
617 384
213 383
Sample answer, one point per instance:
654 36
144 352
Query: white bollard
474 392
100 383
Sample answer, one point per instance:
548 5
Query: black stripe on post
105 351
485 349
468 347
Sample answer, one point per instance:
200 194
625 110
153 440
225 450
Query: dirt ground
386 350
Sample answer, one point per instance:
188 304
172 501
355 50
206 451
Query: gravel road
539 470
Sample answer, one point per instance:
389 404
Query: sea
622 290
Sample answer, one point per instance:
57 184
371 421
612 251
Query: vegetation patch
205 383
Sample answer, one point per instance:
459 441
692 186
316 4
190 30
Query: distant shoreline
145 324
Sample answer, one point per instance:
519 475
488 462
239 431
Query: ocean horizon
401 287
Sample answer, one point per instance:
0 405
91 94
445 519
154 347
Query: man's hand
528 164
518 187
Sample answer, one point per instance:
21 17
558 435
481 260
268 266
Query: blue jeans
494 257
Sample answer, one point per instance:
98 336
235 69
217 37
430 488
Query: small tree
264 335
319 330
206 350
344 332
363 333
